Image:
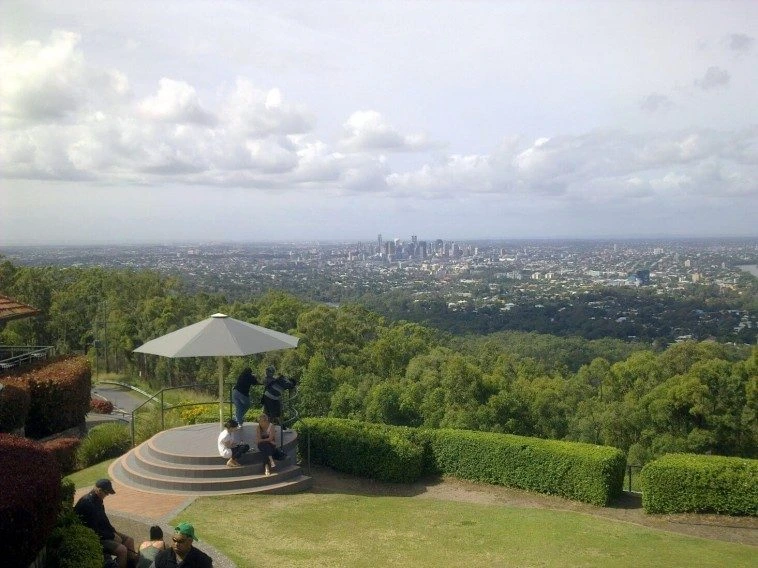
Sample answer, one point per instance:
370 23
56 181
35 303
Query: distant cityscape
469 275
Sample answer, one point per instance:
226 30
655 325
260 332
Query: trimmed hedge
584 472
690 483
593 474
64 450
368 450
59 395
14 405
30 489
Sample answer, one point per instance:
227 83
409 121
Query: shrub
385 453
103 442
64 451
593 474
689 483
14 406
68 490
585 472
100 405
29 499
72 545
59 396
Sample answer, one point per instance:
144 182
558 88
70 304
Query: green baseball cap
186 529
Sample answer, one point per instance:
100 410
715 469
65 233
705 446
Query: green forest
645 398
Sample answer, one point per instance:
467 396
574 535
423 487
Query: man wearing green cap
182 553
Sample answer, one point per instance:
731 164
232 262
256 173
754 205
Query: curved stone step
185 460
275 485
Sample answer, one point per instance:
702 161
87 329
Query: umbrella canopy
218 336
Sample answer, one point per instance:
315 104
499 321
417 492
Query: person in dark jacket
241 393
182 553
272 394
91 510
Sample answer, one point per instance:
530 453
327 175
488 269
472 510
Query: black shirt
195 559
244 382
91 510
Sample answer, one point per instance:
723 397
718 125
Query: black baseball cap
105 485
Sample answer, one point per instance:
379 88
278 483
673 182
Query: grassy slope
361 531
337 529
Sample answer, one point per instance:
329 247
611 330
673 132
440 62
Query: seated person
182 553
267 443
228 446
149 548
91 511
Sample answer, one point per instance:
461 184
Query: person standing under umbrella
241 394
272 394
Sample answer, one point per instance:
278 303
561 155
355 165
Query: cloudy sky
144 121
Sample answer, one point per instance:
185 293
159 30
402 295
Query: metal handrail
29 353
163 406
158 397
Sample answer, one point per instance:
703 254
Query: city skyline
146 122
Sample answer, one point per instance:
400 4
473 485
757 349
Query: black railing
12 356
158 397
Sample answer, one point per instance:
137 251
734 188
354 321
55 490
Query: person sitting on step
229 446
91 511
182 552
267 443
149 548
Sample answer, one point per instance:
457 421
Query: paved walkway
131 511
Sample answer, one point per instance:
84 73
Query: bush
30 490
689 483
60 396
64 450
385 453
100 406
68 491
103 442
585 472
72 545
14 406
593 474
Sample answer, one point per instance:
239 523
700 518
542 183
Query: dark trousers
240 449
272 408
268 449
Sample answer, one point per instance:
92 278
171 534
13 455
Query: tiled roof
11 309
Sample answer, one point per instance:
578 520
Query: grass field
346 530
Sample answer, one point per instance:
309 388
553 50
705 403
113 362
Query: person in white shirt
228 446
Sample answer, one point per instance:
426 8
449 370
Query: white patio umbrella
218 336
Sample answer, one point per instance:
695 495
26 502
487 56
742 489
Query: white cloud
254 112
42 81
176 102
366 130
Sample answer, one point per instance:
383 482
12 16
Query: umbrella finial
219 316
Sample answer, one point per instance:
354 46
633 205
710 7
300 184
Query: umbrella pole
221 391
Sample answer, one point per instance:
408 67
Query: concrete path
132 511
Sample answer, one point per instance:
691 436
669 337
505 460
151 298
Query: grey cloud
740 42
600 164
655 102
714 77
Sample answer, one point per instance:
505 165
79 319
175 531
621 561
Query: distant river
751 268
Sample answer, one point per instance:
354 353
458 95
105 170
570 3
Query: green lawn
335 529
